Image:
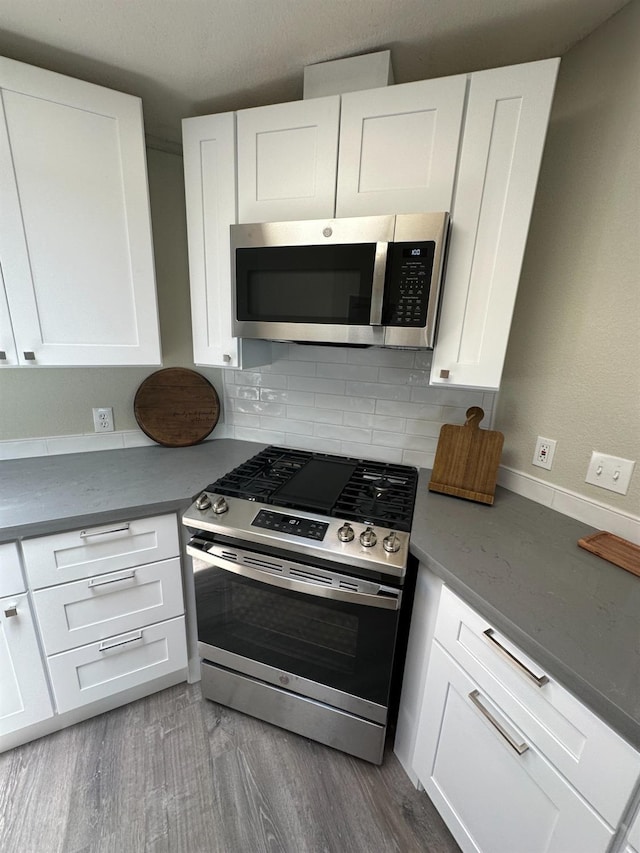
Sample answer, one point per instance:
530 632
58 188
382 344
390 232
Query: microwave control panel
409 272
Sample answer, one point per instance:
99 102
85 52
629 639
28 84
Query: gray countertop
517 562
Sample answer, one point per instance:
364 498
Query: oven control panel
305 527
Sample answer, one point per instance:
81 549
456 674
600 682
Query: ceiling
193 57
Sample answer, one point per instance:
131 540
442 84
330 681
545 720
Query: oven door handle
389 599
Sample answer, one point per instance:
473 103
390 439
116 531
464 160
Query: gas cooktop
369 492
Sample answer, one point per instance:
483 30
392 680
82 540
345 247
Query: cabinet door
505 127
24 696
75 229
210 187
8 352
399 148
287 156
493 799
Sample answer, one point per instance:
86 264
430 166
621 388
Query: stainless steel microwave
365 280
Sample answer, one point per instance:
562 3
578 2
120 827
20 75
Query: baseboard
598 515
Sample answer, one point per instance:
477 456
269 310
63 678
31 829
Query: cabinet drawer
93 672
92 551
494 798
577 742
82 612
11 580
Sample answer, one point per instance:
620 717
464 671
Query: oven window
305 284
345 646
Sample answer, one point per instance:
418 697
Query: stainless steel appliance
303 583
363 280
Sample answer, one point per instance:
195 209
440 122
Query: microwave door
318 293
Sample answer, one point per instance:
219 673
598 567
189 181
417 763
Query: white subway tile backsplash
381 357
245 377
378 390
423 359
287 367
314 443
302 352
409 410
243 419
319 416
404 377
347 404
420 460
343 433
361 419
287 425
23 448
318 386
297 398
265 436
370 402
359 372
447 396
257 407
371 451
430 428
241 392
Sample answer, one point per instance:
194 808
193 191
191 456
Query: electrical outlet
103 419
543 455
610 472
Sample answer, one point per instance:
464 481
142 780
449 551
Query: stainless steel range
303 583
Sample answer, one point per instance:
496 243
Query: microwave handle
377 289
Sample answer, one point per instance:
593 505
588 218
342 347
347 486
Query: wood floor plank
173 773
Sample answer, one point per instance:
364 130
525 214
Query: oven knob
368 538
220 505
203 502
345 533
391 543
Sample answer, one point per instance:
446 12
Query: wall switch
610 472
543 455
103 419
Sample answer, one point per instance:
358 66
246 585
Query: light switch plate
610 472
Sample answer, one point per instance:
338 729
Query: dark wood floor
174 774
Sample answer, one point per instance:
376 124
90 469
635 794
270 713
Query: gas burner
370 492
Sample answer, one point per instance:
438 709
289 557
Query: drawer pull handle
538 680
105 647
518 747
107 579
11 609
85 534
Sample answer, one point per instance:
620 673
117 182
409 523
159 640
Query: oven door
313 631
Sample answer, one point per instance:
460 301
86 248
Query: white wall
572 371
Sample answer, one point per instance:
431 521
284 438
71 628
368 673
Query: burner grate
378 493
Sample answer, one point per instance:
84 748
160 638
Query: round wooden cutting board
176 407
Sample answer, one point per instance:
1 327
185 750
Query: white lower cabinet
96 671
513 761
107 625
24 696
493 798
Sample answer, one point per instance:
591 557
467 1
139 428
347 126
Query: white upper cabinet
399 148
287 156
468 144
209 148
8 352
505 127
75 229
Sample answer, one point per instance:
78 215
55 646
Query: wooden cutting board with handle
176 407
467 459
